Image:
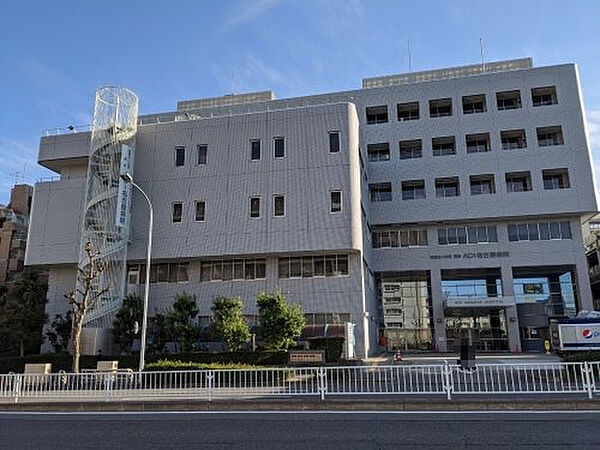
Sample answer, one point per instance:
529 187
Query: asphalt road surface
300 430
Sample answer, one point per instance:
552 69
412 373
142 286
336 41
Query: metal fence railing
425 380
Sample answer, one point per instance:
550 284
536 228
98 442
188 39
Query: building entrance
485 329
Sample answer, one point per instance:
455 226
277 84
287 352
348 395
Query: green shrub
582 356
165 364
333 347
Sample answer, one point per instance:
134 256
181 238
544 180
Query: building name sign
469 302
471 255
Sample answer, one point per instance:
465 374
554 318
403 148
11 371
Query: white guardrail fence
426 380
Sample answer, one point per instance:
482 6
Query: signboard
579 336
479 302
124 193
472 255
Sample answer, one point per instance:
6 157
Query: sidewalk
483 358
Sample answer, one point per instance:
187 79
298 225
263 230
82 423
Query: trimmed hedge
165 364
63 361
333 347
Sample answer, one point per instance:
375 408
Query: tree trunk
21 348
76 345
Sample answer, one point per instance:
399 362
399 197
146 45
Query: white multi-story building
423 207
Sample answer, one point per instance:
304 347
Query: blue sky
54 54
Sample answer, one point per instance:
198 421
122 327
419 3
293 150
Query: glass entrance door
486 330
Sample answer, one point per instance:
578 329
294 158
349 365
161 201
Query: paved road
306 430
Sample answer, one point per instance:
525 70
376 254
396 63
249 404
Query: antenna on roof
482 54
409 56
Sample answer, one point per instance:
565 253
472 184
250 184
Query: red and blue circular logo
587 333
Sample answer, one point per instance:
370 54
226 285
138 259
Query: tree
85 297
123 326
180 321
281 322
60 332
23 315
229 323
159 332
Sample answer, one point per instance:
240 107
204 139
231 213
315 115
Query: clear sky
54 53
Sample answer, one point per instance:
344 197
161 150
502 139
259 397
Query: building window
443 146
408 111
335 204
413 189
473 104
279 147
278 205
334 141
179 156
233 269
482 184
481 234
447 187
381 192
518 182
200 211
548 136
379 152
377 114
411 149
177 212
202 154
542 231
440 107
513 139
543 96
556 179
478 143
159 273
313 266
399 238
254 207
255 149
508 100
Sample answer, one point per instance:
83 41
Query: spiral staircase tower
107 208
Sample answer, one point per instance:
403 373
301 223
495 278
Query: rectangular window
255 149
508 100
447 187
513 139
179 156
254 207
548 136
177 212
200 211
408 111
518 182
473 104
313 266
379 152
411 149
443 146
202 154
279 147
482 184
335 201
543 96
543 231
556 179
381 192
377 114
239 269
400 238
478 143
440 107
413 189
334 141
278 205
481 234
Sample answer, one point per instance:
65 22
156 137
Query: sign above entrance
479 302
471 255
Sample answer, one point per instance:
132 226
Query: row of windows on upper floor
255 148
475 143
471 104
479 184
476 234
254 208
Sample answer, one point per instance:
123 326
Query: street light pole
128 178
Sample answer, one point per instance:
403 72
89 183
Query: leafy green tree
23 313
59 333
159 332
229 323
181 322
130 312
281 322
